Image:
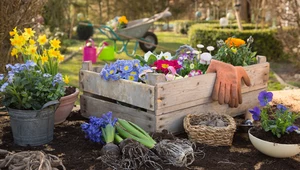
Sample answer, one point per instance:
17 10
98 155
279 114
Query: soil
69 90
77 153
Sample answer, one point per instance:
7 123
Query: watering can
106 51
90 51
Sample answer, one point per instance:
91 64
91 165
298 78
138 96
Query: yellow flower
18 41
234 50
55 43
29 31
42 39
31 50
14 32
66 79
60 58
26 35
123 20
236 42
31 42
44 59
14 52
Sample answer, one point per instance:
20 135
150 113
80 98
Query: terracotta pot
65 107
272 149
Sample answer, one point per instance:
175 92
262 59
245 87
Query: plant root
177 152
136 155
30 160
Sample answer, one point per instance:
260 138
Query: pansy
255 113
291 128
281 107
265 97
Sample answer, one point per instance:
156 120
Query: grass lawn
168 41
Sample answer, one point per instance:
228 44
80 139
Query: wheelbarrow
137 30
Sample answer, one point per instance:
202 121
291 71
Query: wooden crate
163 105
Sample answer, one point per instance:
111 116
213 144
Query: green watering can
106 51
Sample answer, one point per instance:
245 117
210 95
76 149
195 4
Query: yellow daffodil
14 32
42 40
31 50
26 36
31 42
29 31
55 43
66 79
60 58
14 52
44 59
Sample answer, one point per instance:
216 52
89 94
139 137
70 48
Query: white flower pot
272 149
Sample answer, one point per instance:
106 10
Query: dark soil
69 90
78 153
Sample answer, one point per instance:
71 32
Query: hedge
264 39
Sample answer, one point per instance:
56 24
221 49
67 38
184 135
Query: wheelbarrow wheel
151 38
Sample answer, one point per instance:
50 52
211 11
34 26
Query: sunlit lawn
167 41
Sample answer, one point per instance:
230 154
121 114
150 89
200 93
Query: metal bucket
33 127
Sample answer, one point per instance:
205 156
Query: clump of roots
178 152
136 155
110 155
30 160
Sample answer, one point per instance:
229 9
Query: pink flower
195 73
162 65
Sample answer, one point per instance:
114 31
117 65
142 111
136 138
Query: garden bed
78 153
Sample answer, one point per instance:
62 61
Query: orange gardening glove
226 84
241 75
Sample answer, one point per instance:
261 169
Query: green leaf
151 60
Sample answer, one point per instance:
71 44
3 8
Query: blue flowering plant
277 119
25 87
97 125
124 69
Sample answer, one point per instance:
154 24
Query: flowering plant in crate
277 120
236 51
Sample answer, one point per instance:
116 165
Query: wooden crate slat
173 121
90 106
186 90
134 93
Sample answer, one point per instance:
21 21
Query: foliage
278 120
207 33
124 69
84 32
93 129
26 87
30 47
236 52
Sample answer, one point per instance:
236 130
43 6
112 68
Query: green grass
273 84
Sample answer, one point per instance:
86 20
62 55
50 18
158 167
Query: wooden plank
173 121
134 93
182 91
96 107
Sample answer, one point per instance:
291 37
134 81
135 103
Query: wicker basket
209 135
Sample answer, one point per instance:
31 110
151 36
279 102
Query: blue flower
1 77
265 97
57 79
30 64
291 128
126 67
105 74
111 69
281 107
47 75
255 113
136 63
2 89
128 76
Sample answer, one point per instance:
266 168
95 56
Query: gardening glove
241 76
226 85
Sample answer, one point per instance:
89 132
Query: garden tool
227 87
89 51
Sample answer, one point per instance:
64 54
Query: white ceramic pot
272 149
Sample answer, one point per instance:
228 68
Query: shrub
264 39
84 32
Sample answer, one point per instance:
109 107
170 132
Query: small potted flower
46 54
276 135
31 98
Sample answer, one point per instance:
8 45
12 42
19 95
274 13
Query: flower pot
65 107
33 127
272 149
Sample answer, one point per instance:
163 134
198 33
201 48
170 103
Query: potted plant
276 135
31 98
46 54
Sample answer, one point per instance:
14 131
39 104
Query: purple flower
281 107
265 97
291 128
2 89
255 113
1 77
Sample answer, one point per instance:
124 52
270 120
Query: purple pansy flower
281 107
291 128
265 97
255 113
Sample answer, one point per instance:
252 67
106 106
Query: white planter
272 149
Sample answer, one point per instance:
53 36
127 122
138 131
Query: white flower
210 48
200 46
205 58
166 55
192 66
196 52
147 55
